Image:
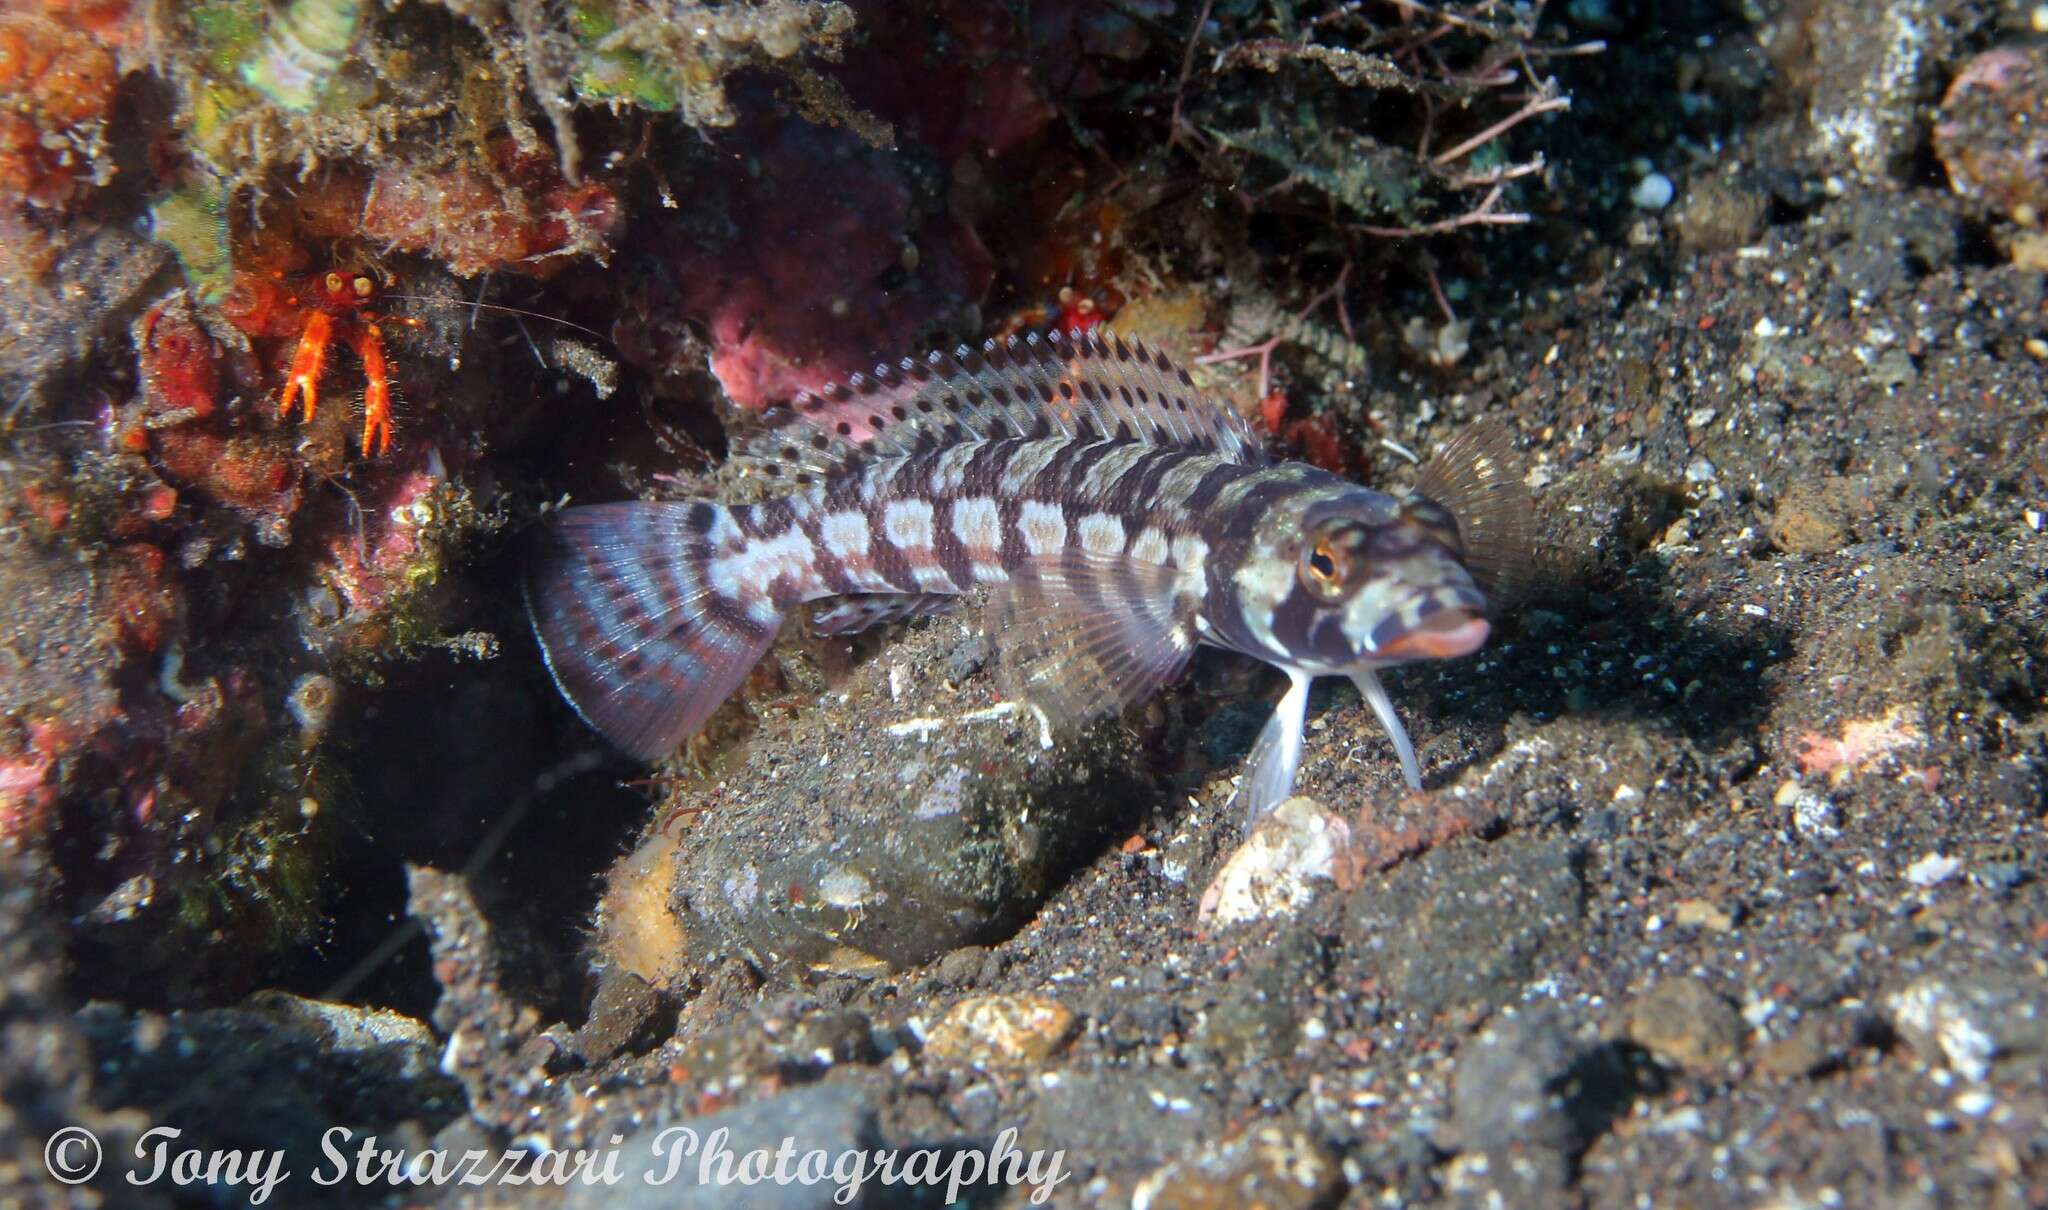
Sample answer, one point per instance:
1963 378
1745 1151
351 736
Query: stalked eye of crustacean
1331 560
363 286
334 283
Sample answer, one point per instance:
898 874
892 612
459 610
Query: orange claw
376 390
303 379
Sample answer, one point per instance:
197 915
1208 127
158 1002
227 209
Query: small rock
1717 215
1683 1022
1274 872
2016 787
1867 85
1992 132
1800 1053
1510 1084
1253 1020
1970 1020
1893 368
1270 1166
942 827
625 1010
2030 251
1887 243
2001 877
1702 913
1811 518
1525 1099
1603 823
1814 816
1932 870
1653 192
1820 1042
969 657
1001 1031
963 966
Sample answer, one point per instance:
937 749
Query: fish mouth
1444 635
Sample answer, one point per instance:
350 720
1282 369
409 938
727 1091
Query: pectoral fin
1081 636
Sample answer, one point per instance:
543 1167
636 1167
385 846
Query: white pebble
1932 870
1653 192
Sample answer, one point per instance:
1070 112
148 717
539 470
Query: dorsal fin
1076 383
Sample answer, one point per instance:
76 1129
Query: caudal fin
635 638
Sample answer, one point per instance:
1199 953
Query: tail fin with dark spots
637 639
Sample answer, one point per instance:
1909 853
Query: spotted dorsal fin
1075 384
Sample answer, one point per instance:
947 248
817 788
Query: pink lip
1453 636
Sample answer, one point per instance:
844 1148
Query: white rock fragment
1275 871
1814 816
1935 1017
1932 870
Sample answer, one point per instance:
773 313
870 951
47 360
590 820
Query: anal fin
853 614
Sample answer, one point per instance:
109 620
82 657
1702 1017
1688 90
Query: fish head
1363 580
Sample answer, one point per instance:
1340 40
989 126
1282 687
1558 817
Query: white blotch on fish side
951 468
908 524
788 553
1102 534
846 535
1191 555
1151 546
725 531
978 523
1042 526
1261 585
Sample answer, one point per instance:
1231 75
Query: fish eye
1331 560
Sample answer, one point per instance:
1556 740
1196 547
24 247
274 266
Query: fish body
1115 518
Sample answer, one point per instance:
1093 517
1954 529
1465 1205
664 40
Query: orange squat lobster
341 302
